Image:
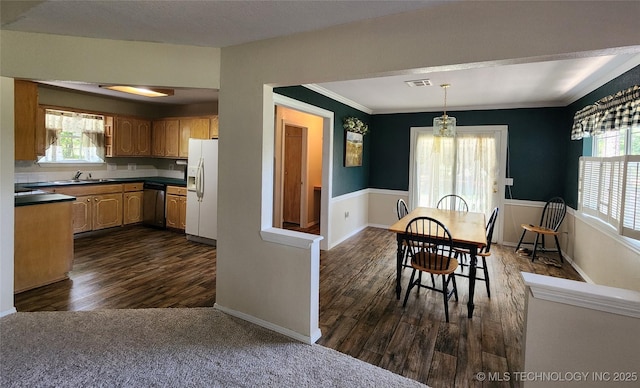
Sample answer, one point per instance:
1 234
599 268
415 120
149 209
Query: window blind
609 189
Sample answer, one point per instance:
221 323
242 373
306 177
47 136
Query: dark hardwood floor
138 267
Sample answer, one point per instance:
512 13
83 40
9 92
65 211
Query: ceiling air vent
418 82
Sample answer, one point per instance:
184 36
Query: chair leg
406 296
486 275
521 238
535 247
445 295
455 286
406 256
558 247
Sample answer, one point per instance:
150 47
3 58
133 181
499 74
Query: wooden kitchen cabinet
176 211
43 244
132 203
95 212
158 138
96 206
29 128
213 127
82 214
165 138
131 137
107 211
185 134
198 127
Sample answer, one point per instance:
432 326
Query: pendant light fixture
444 126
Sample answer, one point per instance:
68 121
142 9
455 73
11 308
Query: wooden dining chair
401 208
436 260
463 254
453 202
552 216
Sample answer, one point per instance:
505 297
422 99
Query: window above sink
73 137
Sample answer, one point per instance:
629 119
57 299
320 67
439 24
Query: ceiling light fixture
140 91
444 125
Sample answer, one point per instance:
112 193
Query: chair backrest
401 208
553 213
453 202
430 243
489 229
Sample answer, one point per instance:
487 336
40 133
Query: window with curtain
466 165
73 137
609 182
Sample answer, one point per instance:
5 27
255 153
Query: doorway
298 170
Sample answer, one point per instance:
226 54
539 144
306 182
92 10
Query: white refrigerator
202 191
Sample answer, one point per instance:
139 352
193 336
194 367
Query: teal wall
537 144
345 179
542 160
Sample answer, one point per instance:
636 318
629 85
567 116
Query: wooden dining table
467 231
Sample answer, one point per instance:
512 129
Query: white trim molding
334 96
591 296
268 325
290 237
8 312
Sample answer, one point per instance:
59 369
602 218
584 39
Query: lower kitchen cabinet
132 203
96 207
97 212
43 244
176 212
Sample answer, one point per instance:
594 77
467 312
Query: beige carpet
200 347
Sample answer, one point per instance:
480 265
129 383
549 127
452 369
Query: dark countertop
41 198
156 179
30 193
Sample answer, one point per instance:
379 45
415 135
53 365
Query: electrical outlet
131 166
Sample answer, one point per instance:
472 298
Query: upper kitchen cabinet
131 137
29 122
196 128
213 127
165 138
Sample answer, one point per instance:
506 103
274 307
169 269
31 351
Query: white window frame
609 190
52 153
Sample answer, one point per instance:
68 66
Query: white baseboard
566 257
8 312
353 233
268 325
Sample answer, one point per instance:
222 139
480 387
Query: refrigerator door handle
200 180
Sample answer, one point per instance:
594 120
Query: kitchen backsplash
27 173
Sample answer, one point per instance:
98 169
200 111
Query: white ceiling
225 23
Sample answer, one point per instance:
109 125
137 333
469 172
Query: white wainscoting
349 215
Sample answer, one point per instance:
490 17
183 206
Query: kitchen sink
69 182
80 181
97 180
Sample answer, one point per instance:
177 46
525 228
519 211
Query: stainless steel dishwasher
153 203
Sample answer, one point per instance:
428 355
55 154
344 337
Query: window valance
57 120
611 113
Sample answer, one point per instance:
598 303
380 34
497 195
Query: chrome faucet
76 176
